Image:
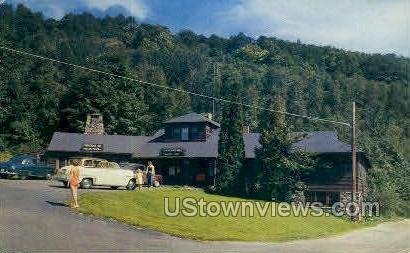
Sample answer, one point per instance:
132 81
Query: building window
176 133
326 198
171 171
185 134
195 132
211 171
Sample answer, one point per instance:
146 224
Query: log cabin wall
330 191
345 182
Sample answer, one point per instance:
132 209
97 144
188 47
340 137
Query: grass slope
146 209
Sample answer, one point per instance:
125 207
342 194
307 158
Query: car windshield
28 161
18 159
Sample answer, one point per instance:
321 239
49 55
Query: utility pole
354 155
217 78
213 108
215 172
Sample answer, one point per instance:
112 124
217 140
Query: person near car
74 182
138 178
150 174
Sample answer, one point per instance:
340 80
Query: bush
5 156
389 199
211 189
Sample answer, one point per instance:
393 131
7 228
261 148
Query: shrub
5 156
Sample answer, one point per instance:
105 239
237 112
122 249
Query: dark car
23 166
132 166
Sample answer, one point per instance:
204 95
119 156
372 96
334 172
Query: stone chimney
246 129
94 124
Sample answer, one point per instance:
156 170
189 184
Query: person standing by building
150 174
138 178
74 182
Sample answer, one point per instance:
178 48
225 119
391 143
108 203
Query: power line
174 89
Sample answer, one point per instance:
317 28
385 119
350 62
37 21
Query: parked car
98 172
24 166
134 166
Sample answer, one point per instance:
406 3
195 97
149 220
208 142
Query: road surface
33 218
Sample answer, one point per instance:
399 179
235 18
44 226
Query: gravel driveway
34 219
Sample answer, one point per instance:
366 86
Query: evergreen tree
279 170
231 147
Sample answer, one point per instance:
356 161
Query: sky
371 26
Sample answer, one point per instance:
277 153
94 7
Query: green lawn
146 209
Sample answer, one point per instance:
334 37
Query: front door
170 169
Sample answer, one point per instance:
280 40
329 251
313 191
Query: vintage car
98 172
24 166
134 166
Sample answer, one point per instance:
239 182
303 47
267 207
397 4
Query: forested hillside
38 97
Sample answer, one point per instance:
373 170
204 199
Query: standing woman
138 178
74 182
150 174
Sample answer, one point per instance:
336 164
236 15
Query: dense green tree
231 147
279 171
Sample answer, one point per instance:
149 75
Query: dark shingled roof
321 142
73 142
149 147
192 118
141 147
207 149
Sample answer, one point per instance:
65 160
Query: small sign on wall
92 147
172 152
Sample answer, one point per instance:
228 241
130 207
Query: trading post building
185 152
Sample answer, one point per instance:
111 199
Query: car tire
11 177
114 187
86 183
131 185
65 184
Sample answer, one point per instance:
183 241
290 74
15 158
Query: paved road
33 219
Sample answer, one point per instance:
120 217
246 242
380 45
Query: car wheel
48 177
86 183
11 176
65 184
114 187
131 185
